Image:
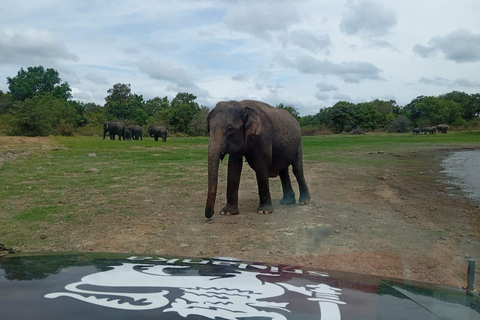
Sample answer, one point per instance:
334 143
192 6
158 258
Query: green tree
37 81
291 109
41 115
156 104
198 126
182 111
427 111
386 112
6 102
469 104
121 103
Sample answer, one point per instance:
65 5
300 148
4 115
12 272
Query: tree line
38 103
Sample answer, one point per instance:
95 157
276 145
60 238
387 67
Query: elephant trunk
214 155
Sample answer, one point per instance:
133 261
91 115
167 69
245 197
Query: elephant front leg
235 164
265 206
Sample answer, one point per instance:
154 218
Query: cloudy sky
306 53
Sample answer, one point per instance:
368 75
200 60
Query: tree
198 126
291 109
386 112
120 103
469 104
6 102
41 115
37 81
182 111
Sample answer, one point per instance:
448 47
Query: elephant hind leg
302 184
288 193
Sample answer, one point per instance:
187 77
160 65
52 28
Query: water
464 169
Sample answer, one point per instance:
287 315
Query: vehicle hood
123 286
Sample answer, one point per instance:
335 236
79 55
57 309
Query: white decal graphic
234 295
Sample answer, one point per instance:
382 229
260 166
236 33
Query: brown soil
398 221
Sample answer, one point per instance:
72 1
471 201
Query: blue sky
306 53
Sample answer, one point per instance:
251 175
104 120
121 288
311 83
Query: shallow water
463 167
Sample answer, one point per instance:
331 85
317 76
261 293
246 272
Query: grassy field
50 182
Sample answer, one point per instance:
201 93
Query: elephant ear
253 125
209 117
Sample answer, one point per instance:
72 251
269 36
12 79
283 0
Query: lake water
463 167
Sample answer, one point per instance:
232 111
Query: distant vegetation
39 104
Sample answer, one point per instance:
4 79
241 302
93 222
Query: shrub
401 124
66 129
89 131
358 130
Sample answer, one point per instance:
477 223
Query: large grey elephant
114 128
158 131
269 139
137 132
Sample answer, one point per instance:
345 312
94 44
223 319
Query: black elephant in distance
158 131
128 135
114 128
137 132
268 138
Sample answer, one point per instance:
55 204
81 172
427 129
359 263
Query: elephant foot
304 200
265 209
287 200
229 210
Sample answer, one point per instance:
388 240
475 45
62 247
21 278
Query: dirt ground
401 221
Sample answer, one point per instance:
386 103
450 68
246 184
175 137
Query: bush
66 129
400 125
358 130
89 130
311 130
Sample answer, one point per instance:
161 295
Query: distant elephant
158 131
128 134
443 128
416 131
114 128
431 130
270 140
137 132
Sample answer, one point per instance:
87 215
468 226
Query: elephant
268 138
416 131
137 132
128 135
431 130
158 131
443 128
114 128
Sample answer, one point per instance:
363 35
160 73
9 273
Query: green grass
46 185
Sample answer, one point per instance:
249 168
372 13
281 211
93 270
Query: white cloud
442 82
326 86
96 78
459 46
368 18
29 46
353 72
177 76
261 18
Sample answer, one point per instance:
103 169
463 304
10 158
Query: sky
306 53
